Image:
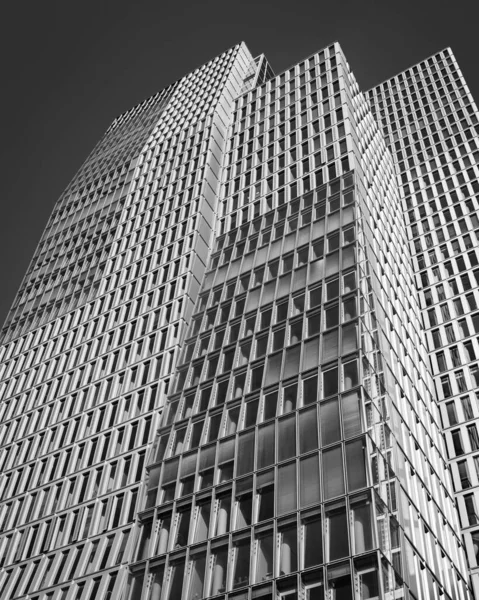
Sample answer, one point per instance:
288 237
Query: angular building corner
223 375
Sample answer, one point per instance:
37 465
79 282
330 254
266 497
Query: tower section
430 123
93 337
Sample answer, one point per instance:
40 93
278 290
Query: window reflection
288 555
197 576
223 511
177 570
264 557
337 544
244 502
265 496
361 525
218 577
240 563
312 551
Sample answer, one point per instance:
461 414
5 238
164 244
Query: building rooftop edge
447 48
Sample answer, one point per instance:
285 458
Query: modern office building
229 367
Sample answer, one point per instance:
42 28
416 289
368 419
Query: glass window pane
332 264
316 270
337 533
311 354
273 369
264 557
349 308
157 583
351 414
339 579
356 465
312 551
309 481
245 454
330 346
291 362
218 578
244 499
333 481
290 398
349 339
241 563
308 430
332 316
286 489
288 553
350 374
361 523
332 289
223 515
202 521
287 438
197 578
329 421
330 382
177 575
265 446
310 388
265 495
270 405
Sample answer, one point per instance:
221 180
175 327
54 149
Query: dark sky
70 66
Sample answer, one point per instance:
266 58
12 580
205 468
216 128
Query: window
450 334
463 328
467 408
446 386
362 531
241 562
475 544
473 437
441 362
263 557
337 544
471 511
333 476
470 353
329 421
458 307
457 442
286 488
445 312
311 550
464 474
287 545
460 381
436 338
451 413
309 493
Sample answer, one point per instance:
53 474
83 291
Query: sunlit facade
216 377
430 122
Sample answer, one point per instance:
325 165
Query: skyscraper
216 377
429 121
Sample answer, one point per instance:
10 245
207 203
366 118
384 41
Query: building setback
242 361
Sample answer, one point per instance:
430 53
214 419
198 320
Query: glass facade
218 378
